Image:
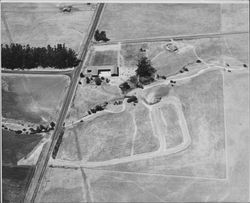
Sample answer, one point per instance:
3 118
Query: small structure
171 47
105 71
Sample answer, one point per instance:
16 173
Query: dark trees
98 81
124 87
145 68
100 36
145 71
25 57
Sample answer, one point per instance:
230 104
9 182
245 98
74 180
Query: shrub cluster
25 57
100 36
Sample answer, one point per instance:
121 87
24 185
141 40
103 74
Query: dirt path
162 151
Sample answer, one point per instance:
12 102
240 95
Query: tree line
16 56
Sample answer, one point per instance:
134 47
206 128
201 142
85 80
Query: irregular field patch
174 135
40 24
106 137
14 182
88 96
171 63
104 58
15 147
210 49
145 141
154 20
131 53
34 99
68 149
62 185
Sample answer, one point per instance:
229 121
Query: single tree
145 69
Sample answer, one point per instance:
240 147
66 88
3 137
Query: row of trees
25 57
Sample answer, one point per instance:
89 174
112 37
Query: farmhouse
107 71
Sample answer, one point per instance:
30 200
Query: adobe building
106 71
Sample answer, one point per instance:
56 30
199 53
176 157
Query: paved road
168 38
48 149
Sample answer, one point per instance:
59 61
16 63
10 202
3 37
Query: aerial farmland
155 107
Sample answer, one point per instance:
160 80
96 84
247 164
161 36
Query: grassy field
171 63
40 24
234 17
210 49
15 147
153 20
104 58
165 62
106 137
87 96
232 49
174 135
62 185
202 100
177 188
131 53
238 46
68 147
144 140
35 99
14 182
130 185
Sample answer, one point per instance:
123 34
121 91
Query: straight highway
48 149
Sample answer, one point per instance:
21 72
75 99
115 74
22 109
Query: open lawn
154 20
40 24
30 98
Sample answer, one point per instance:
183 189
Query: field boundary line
173 37
225 132
156 174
